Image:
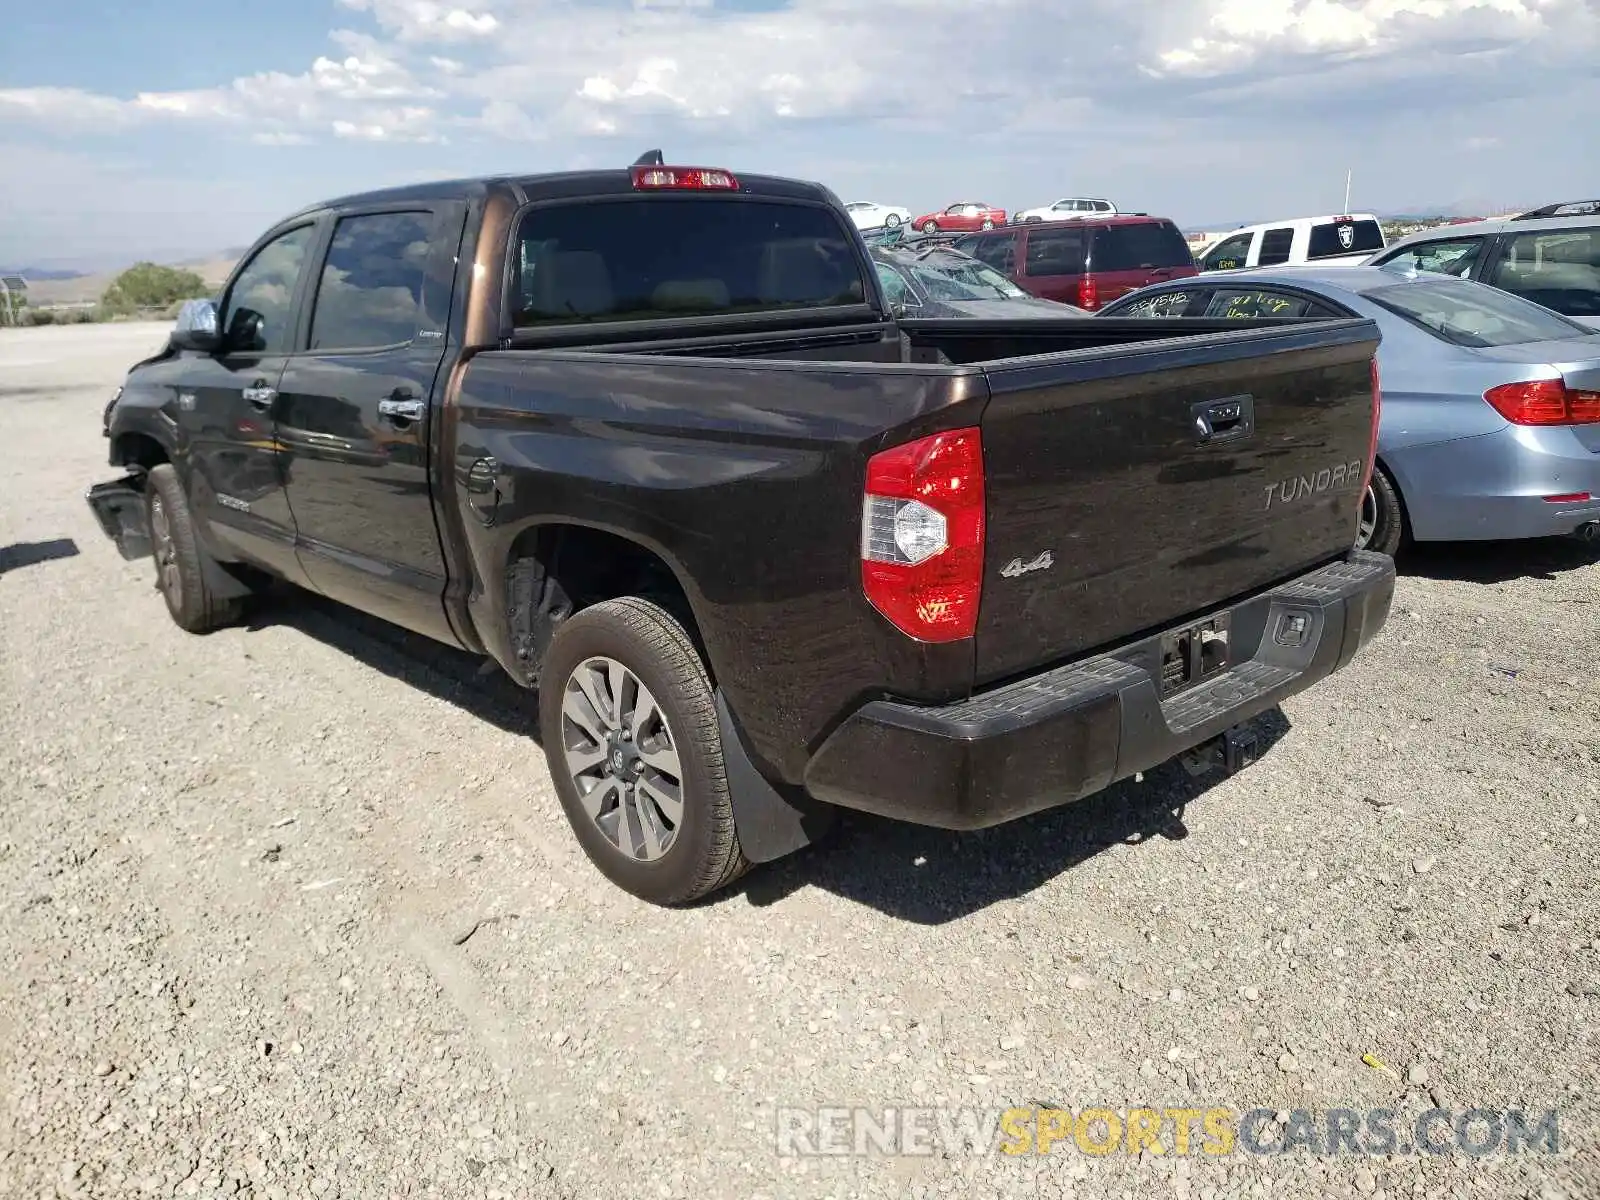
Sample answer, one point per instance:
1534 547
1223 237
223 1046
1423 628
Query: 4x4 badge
1017 567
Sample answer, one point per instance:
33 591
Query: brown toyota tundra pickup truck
652 440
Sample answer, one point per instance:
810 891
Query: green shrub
150 286
37 316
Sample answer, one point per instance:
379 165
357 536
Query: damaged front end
119 507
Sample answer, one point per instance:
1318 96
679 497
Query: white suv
1072 209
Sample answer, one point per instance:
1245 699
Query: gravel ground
291 910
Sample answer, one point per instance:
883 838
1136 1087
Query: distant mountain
32 273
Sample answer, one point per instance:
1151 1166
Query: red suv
1088 262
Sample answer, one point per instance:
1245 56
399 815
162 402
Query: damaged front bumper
119 507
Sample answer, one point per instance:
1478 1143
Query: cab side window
258 311
1227 254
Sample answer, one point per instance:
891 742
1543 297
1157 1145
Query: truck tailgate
1131 487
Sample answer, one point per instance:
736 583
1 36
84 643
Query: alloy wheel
622 757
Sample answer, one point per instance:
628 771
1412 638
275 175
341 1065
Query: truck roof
555 185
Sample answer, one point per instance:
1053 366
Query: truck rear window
1140 246
1344 237
663 257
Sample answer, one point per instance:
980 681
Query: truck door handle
260 395
1223 420
401 409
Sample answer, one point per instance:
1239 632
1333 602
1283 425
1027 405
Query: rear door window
1239 303
1334 238
1275 247
1559 268
1055 251
662 257
1468 314
371 284
1141 245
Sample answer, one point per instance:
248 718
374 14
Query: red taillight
1544 402
922 535
1088 292
1568 498
684 179
1372 440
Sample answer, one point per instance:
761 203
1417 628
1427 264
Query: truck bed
740 459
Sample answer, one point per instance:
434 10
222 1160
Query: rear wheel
1383 518
180 560
631 735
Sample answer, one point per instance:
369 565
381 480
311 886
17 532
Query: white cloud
558 70
909 99
425 21
1239 32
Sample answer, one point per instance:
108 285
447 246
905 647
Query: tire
987 224
699 853
1383 517
930 227
892 221
180 561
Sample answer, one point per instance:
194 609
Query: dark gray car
941 282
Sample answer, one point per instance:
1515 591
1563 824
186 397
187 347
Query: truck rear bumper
1069 732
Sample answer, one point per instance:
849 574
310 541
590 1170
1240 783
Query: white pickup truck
1330 241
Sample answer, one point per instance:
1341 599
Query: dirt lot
291 910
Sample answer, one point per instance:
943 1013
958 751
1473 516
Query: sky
167 129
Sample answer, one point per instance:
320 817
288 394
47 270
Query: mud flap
770 824
119 508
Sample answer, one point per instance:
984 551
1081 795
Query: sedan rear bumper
1518 482
1066 733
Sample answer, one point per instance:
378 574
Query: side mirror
197 327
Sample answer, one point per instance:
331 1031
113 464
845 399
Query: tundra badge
1311 485
1016 567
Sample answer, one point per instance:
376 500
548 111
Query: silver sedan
1490 425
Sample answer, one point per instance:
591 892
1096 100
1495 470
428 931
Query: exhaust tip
1588 533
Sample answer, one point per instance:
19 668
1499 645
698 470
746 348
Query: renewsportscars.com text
920 1130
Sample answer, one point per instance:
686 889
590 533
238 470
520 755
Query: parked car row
1492 415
